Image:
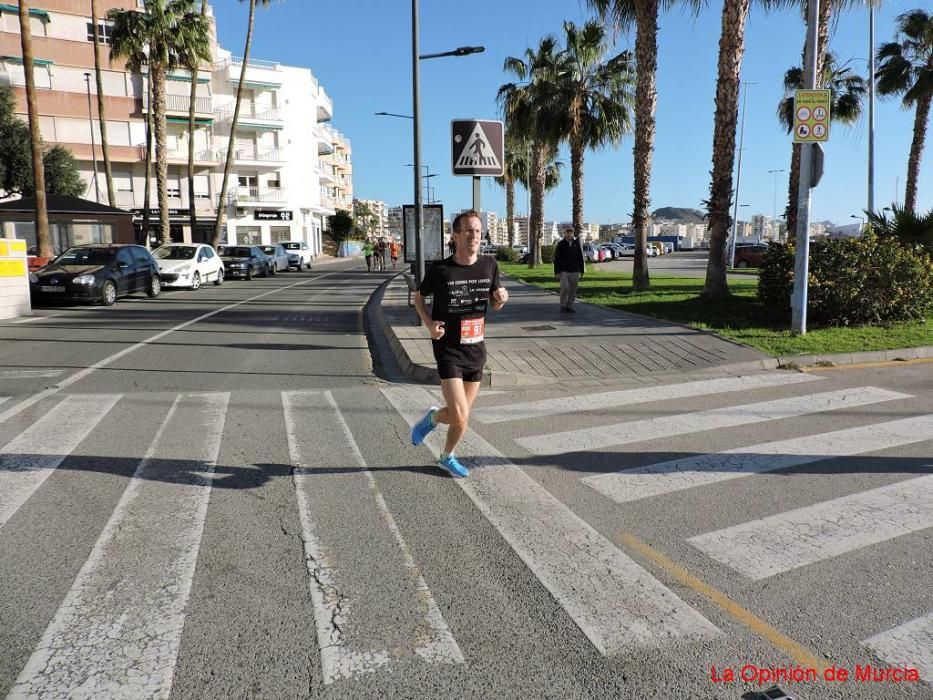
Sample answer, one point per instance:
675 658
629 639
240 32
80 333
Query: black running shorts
460 362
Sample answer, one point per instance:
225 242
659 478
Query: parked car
591 253
101 272
278 257
244 261
625 249
609 250
188 265
652 250
488 249
749 255
299 254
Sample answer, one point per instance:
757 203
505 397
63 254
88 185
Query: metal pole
871 106
90 121
476 181
802 262
774 196
738 180
416 113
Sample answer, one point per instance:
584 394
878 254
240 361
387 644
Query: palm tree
530 109
514 167
228 162
38 172
906 68
596 95
173 36
101 114
192 101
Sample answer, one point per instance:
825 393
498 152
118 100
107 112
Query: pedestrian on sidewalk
393 252
463 285
368 253
568 268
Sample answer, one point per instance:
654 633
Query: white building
272 193
380 213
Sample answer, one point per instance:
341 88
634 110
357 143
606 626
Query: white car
188 265
299 254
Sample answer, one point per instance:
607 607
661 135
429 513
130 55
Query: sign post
477 149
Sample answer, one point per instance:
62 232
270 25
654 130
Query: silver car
278 257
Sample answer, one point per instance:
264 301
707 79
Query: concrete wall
14 282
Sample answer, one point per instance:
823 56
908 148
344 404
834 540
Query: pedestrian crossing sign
477 147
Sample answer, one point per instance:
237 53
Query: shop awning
35 12
35 61
184 120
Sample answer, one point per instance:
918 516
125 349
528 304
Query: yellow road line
793 649
868 365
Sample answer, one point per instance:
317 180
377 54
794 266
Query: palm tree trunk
916 152
536 218
646 99
510 209
101 114
731 50
147 187
228 164
793 189
157 74
192 214
576 184
35 139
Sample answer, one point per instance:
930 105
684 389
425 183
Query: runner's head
467 231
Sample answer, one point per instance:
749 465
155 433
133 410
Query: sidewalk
531 342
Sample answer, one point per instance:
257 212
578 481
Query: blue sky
361 52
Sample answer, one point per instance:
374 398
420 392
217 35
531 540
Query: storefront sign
172 213
272 215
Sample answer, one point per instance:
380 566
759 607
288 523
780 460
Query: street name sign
811 116
477 147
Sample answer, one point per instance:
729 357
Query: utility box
14 279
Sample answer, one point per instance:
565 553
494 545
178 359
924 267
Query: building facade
379 211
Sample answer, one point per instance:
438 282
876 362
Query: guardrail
257 194
250 111
181 103
252 153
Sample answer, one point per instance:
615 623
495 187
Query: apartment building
275 189
380 213
394 222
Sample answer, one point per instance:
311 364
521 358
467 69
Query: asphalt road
212 495
686 263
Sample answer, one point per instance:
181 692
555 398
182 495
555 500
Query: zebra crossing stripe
702 470
348 646
29 373
616 603
629 397
779 543
29 459
685 423
910 645
118 631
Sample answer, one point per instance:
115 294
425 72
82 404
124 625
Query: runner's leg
456 412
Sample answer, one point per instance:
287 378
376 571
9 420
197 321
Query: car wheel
196 281
308 265
249 273
155 287
108 293
220 278
742 264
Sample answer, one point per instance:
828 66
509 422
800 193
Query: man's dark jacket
568 256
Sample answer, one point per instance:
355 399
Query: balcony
179 104
254 156
326 171
258 196
262 75
177 155
252 116
325 106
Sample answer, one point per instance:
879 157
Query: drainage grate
538 328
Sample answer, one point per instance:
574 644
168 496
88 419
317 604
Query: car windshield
292 246
175 252
86 256
268 249
236 252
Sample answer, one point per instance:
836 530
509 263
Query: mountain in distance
680 214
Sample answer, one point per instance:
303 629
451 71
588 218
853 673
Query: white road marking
29 373
117 633
910 644
614 601
87 371
629 397
795 538
30 458
702 470
685 423
333 607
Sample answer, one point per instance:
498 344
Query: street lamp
392 114
90 121
774 194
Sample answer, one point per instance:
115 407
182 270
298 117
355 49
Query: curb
856 358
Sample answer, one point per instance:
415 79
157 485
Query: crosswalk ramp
117 630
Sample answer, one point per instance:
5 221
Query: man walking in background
463 286
568 268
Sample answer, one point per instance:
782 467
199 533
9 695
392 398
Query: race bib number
472 331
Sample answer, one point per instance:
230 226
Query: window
201 187
104 30
141 255
249 235
280 233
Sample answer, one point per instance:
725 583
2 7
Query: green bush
506 254
547 253
852 281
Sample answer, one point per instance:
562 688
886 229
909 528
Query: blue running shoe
423 427
450 465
